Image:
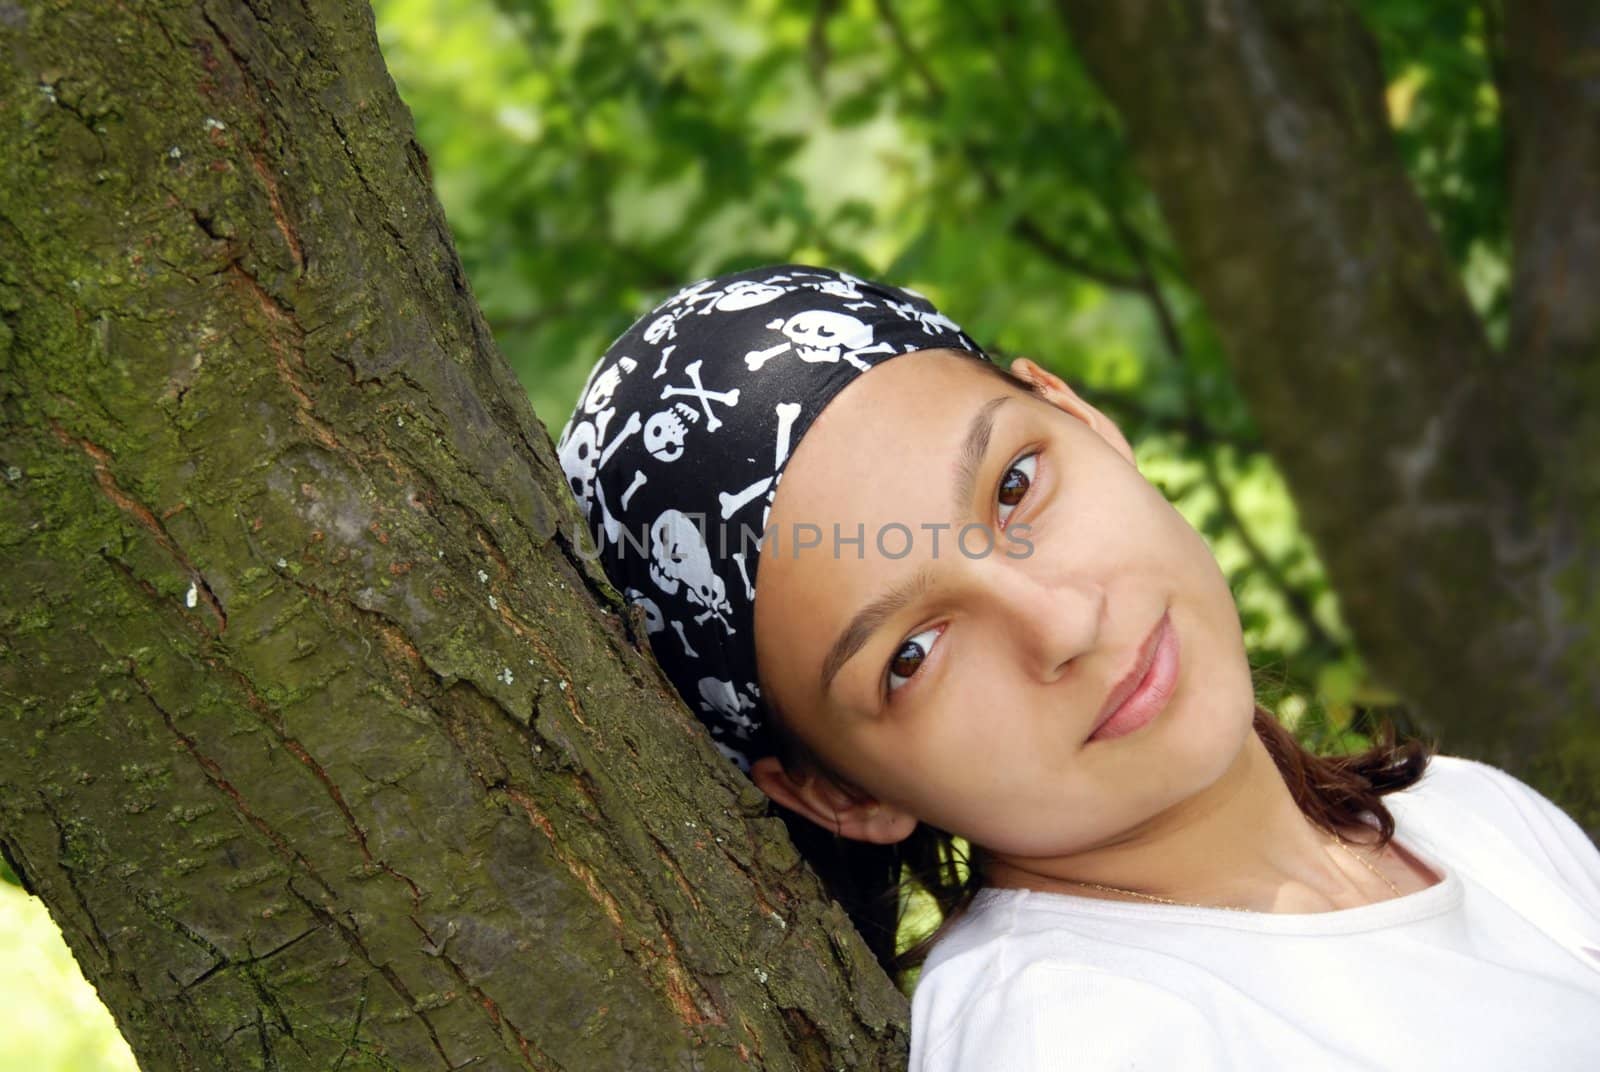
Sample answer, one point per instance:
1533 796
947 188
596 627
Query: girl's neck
1243 842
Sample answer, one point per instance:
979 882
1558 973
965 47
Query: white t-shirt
1497 966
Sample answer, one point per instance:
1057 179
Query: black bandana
681 436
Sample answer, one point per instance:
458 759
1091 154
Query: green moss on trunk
322 744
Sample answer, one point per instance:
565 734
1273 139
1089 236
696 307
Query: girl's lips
1142 693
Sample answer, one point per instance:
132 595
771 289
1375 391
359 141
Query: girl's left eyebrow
866 621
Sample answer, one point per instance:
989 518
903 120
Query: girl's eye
1015 484
914 652
909 659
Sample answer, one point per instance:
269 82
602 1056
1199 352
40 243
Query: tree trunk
322 741
1451 489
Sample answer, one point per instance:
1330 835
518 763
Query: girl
966 614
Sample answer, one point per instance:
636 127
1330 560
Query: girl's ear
830 806
1055 390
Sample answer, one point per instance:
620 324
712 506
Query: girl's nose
1050 621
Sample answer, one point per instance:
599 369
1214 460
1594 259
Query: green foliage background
593 156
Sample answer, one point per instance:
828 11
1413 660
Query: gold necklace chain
1231 908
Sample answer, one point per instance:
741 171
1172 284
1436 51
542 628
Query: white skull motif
846 286
665 432
824 335
678 554
605 385
932 322
719 695
580 458
747 294
660 329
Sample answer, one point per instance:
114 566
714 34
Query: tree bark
322 741
1449 488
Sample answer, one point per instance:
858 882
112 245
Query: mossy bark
1450 487
319 736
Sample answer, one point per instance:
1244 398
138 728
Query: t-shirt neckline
1419 904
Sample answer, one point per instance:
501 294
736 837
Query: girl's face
968 699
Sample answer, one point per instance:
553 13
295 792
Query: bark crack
146 519
64 854
353 939
692 1004
258 162
213 773
532 1056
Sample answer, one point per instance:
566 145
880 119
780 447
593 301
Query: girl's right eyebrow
973 448
867 620
870 619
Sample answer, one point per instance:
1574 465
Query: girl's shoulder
1460 777
1472 781
1483 818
